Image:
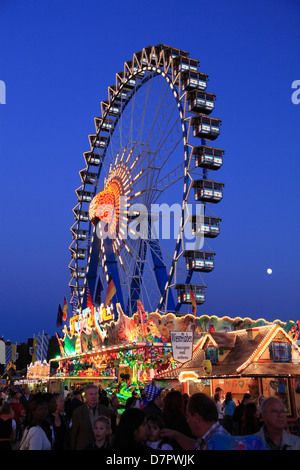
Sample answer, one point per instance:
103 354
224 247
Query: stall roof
242 358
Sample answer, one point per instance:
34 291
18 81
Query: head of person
91 395
273 414
153 394
38 410
5 410
250 410
173 403
247 398
60 403
51 401
77 394
102 428
132 430
26 390
154 425
201 413
14 397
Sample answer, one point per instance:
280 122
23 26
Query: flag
59 317
42 343
98 292
111 290
89 301
32 349
194 304
74 304
65 310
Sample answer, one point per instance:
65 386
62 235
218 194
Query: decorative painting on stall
93 330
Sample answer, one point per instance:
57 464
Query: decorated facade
234 353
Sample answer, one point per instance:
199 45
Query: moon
269 271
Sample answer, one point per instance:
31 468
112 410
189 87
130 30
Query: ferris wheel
144 215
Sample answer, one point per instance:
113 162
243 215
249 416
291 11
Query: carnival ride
143 215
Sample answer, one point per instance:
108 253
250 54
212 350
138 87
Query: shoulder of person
291 439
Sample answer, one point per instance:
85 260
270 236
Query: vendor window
280 351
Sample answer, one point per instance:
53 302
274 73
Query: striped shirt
216 428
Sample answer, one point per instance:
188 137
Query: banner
182 345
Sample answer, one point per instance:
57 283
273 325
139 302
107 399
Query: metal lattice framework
146 183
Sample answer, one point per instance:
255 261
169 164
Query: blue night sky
57 59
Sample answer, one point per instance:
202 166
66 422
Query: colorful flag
59 319
194 304
111 290
65 310
98 292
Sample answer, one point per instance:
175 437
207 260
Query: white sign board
182 345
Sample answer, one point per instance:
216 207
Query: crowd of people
154 419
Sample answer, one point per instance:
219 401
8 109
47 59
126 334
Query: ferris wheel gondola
141 217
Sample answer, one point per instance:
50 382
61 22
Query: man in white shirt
273 431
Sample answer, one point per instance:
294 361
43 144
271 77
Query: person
229 406
250 423
261 399
19 414
7 427
220 391
153 400
202 417
25 399
104 398
237 416
174 415
273 431
131 432
155 424
75 402
102 434
60 424
185 397
83 419
114 410
131 401
220 408
34 436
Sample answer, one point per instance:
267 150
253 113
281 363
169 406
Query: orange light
189 375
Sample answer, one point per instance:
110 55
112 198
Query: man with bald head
273 431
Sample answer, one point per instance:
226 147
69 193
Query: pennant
65 310
194 304
111 290
59 317
98 292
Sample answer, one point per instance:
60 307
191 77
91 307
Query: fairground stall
188 353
